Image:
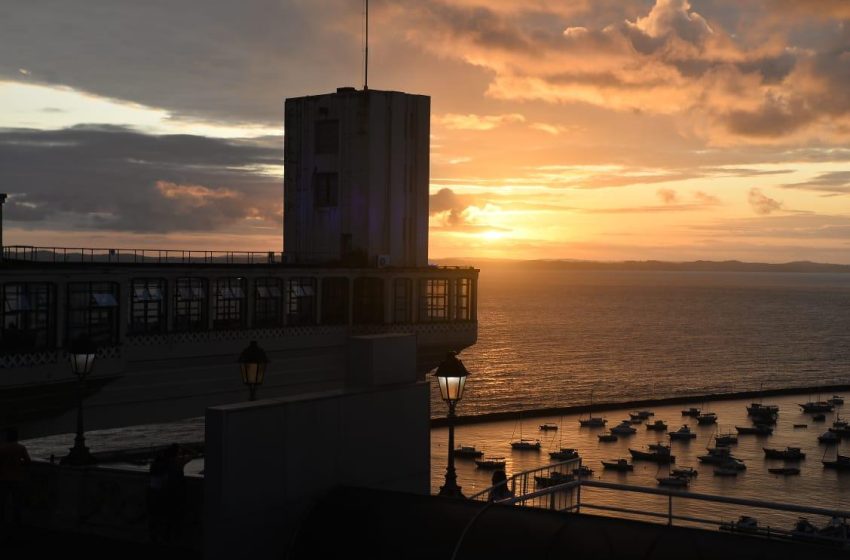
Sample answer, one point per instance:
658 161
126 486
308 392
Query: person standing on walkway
14 460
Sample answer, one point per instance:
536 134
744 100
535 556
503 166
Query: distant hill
693 266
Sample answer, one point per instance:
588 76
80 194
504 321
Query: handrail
671 492
109 255
524 476
557 494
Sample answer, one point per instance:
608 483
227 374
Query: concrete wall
382 166
105 502
269 462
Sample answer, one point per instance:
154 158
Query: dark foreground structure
381 524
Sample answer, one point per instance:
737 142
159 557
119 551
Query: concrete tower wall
356 178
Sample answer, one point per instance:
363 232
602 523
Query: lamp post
253 362
451 375
81 354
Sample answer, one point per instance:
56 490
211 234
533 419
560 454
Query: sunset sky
583 129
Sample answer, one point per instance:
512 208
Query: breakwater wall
440 422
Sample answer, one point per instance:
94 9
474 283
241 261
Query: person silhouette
14 460
499 490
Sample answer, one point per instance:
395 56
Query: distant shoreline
440 422
652 265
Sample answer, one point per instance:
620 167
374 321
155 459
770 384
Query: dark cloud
761 203
454 205
230 60
788 226
836 183
112 178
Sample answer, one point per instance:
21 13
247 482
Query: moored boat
548 427
491 463
658 426
725 439
836 399
692 411
817 406
608 437
716 456
690 472
707 418
758 429
744 523
592 421
468 452
841 463
819 417
674 481
583 471
553 479
758 408
787 454
618 465
624 428
526 445
683 433
564 454
829 437
786 471
658 454
641 414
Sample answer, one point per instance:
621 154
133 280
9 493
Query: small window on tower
327 137
326 189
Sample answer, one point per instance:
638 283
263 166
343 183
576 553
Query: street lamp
81 354
253 362
451 375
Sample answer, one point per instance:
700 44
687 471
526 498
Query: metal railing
568 497
78 255
100 255
524 483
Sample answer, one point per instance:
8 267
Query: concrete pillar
452 296
2 202
473 298
389 291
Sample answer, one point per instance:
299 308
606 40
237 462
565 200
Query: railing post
669 510
578 497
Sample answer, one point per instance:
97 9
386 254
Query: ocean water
815 486
547 338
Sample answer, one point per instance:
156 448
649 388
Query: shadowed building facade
356 178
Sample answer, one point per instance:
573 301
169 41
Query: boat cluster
720 457
836 531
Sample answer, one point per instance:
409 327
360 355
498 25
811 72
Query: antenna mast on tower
366 52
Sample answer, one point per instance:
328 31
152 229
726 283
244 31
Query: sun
492 235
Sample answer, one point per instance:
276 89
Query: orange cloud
453 121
